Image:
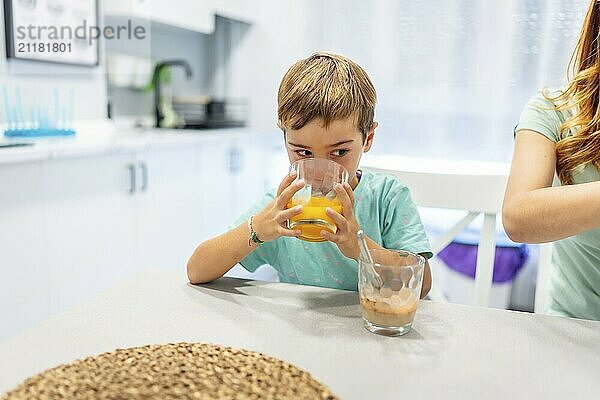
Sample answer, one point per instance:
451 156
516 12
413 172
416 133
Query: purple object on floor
507 261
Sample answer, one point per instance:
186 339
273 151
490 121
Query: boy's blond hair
326 86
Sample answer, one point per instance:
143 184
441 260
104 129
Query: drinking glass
389 290
319 175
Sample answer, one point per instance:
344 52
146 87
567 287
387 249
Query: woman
559 132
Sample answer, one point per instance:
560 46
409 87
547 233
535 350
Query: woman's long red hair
582 94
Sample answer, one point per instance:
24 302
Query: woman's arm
533 210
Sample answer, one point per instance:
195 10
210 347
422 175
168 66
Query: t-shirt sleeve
540 116
263 253
402 227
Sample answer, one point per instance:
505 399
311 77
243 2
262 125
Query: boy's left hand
347 225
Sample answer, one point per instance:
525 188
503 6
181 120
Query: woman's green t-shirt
574 289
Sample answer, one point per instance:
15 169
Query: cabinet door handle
144 169
234 163
132 178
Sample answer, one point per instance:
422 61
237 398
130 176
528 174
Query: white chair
476 187
543 273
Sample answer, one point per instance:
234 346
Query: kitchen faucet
156 80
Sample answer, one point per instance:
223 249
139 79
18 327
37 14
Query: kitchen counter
104 137
452 352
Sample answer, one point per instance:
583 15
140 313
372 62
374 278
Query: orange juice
313 218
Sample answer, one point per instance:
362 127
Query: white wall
41 79
262 53
165 43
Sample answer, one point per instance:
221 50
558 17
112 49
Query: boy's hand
347 225
271 222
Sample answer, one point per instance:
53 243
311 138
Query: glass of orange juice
319 175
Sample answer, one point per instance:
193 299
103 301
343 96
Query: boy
326 106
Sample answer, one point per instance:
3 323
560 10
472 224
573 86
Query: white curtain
452 75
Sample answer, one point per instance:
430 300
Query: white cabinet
170 206
89 215
195 15
111 216
236 178
241 10
219 197
24 288
130 8
248 171
188 194
71 227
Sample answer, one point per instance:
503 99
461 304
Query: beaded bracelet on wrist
253 236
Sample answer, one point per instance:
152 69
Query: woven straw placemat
173 371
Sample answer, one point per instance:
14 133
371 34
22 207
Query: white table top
453 351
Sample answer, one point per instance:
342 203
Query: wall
261 53
41 79
165 42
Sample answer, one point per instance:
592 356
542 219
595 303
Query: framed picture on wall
58 31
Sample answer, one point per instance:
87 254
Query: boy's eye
303 153
340 152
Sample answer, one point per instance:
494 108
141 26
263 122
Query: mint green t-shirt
574 289
383 209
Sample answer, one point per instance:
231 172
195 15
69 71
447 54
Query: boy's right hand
271 222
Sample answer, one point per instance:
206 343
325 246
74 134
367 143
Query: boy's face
341 142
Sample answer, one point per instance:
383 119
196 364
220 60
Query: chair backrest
543 273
